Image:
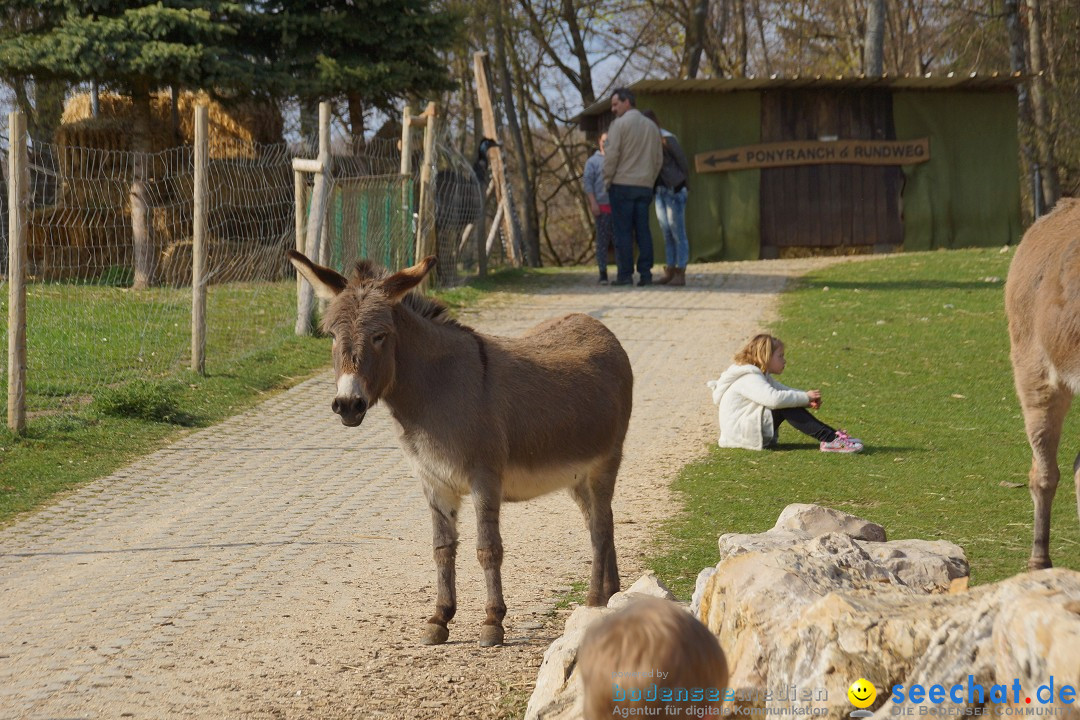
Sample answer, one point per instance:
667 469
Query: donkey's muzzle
351 410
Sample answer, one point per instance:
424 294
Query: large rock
816 615
933 566
821 600
816 520
557 695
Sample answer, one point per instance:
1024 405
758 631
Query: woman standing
671 194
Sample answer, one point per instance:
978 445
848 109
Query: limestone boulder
814 520
800 623
932 566
822 600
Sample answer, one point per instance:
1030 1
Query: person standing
632 160
600 206
671 193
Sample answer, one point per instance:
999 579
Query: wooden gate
829 207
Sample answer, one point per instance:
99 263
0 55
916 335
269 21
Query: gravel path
279 565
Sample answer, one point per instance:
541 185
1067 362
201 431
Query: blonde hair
620 655
758 351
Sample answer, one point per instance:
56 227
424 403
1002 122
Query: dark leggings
803 421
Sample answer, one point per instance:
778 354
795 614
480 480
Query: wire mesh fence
88 329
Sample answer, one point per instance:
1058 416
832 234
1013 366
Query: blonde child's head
759 351
623 656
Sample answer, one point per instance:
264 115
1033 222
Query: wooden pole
315 220
480 236
406 140
406 172
18 184
300 200
495 157
322 247
425 228
198 245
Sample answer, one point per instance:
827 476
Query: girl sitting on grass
753 403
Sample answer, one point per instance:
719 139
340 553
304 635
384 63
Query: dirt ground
279 565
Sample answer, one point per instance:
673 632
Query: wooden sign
815 152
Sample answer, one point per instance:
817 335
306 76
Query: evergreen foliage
376 50
135 46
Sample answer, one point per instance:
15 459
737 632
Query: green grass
911 355
94 405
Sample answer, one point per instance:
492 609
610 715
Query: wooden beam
198 244
313 236
18 185
495 157
425 231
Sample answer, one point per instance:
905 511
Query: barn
785 167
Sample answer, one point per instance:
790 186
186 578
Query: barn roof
929 81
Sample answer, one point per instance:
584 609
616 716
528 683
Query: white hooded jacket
744 394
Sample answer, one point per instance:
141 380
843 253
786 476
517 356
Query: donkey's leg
489 551
444 515
593 495
1044 407
583 497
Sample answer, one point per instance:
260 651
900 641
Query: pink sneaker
842 443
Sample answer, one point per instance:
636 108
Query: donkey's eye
378 338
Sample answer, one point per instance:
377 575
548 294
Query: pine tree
136 47
370 52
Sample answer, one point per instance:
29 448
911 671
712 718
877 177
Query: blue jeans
605 232
671 213
630 211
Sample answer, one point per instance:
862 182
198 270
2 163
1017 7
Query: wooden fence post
198 246
425 234
495 157
406 172
313 236
18 185
300 200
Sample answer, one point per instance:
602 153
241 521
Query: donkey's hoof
491 635
434 634
1039 564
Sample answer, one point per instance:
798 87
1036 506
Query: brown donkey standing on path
1042 299
495 418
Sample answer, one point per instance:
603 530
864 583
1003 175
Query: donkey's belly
526 483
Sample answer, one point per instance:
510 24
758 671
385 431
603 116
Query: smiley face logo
862 693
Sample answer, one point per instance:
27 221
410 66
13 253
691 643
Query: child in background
623 656
753 403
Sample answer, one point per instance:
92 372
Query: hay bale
232 129
226 261
76 243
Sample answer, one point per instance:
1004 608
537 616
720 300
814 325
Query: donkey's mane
432 309
365 271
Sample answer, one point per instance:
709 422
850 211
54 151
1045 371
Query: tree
137 47
370 52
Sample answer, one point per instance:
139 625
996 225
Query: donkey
500 419
1042 300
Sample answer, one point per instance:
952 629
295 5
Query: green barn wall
723 220
968 193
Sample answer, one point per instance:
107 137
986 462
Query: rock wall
823 599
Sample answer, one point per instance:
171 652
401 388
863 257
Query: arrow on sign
713 160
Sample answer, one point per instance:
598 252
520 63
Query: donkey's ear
327 283
401 282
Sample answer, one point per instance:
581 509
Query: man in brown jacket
632 160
